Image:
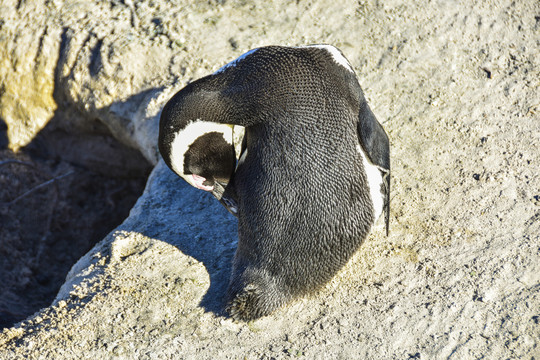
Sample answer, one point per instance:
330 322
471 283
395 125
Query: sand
456 86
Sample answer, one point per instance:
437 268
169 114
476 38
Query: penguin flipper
376 145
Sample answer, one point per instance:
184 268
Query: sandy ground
456 88
52 212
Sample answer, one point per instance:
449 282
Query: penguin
311 177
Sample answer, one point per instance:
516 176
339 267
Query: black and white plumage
312 177
202 153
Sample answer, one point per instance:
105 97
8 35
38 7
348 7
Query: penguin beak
218 189
226 199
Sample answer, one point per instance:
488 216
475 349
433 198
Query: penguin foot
252 302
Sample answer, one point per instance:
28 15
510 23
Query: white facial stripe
235 61
184 138
375 181
336 55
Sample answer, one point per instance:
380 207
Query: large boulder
456 88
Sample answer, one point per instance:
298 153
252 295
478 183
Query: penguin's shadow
172 211
195 223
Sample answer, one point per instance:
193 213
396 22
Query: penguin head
200 152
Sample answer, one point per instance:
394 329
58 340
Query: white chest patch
238 137
375 181
184 138
242 158
336 55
